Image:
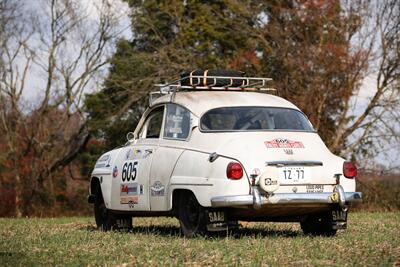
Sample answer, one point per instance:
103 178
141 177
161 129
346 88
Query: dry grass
372 239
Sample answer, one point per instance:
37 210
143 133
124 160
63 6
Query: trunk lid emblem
288 151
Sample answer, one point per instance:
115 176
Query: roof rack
247 84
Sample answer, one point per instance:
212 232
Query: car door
176 130
134 164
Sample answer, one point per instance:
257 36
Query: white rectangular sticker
294 175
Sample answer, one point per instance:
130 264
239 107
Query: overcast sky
36 80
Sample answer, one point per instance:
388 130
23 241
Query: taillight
234 171
349 169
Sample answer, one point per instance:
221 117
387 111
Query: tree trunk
18 196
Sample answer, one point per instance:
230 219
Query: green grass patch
372 239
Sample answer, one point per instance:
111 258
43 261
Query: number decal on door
129 171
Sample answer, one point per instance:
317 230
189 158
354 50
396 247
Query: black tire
105 219
318 225
192 216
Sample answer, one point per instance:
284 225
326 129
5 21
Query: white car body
142 177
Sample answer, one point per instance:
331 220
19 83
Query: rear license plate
295 175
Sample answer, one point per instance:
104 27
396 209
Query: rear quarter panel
205 179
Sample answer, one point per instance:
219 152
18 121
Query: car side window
154 123
177 122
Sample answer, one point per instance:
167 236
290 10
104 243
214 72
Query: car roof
199 102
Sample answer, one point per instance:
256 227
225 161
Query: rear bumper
257 200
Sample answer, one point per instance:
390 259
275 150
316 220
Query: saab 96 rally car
215 150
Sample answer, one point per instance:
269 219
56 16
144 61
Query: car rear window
254 119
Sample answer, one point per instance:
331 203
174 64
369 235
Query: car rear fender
206 177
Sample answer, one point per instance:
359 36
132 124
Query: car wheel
105 219
192 216
318 225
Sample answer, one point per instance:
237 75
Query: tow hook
256 197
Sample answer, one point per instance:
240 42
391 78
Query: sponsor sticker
135 154
270 181
335 197
128 154
141 189
283 143
100 165
147 153
103 162
288 151
115 172
129 200
104 158
314 188
157 189
130 189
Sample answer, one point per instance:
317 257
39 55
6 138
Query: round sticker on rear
268 183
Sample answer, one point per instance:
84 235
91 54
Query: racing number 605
129 171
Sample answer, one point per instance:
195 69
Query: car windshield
254 119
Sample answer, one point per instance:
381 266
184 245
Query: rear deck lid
291 157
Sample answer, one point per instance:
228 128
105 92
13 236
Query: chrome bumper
257 200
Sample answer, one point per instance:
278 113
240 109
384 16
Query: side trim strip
101 173
306 184
293 163
192 184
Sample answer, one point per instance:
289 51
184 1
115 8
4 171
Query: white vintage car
214 155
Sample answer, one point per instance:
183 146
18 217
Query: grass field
372 239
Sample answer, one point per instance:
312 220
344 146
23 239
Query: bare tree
13 46
366 134
66 49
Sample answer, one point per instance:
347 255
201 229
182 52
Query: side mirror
131 137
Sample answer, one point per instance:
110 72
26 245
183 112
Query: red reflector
234 171
349 169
